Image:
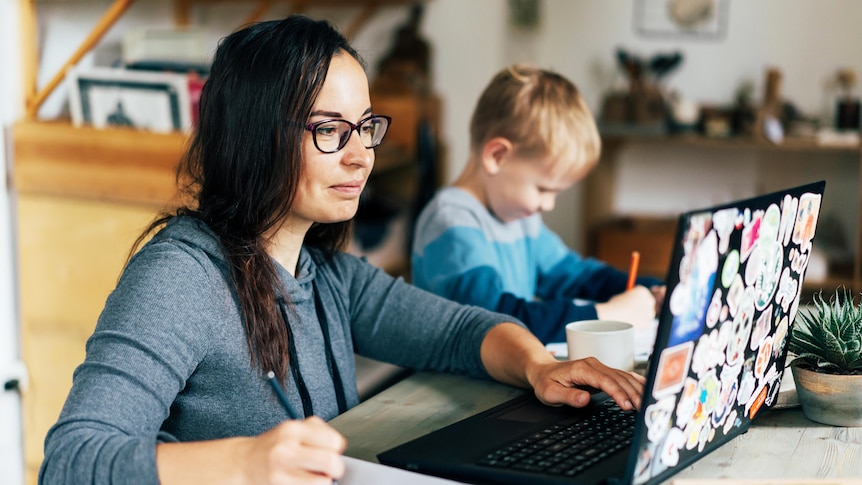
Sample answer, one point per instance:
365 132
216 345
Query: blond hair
539 111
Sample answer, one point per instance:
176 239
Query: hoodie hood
197 234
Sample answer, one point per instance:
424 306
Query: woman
248 279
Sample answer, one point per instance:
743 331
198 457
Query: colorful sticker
659 418
670 451
764 358
730 422
688 402
770 225
741 329
798 261
761 329
747 384
730 269
787 290
806 220
734 294
754 266
714 310
774 385
750 234
779 338
691 297
672 368
642 469
757 402
788 218
725 403
769 274
710 350
723 221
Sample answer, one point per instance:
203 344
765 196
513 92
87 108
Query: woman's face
331 183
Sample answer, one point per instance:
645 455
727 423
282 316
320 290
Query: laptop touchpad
525 413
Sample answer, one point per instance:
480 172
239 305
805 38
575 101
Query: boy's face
522 186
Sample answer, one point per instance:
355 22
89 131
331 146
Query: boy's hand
636 306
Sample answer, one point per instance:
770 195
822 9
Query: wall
808 40
11 458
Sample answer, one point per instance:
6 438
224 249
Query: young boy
482 241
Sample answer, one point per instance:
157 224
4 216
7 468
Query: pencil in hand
633 270
276 387
292 414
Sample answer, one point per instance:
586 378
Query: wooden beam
358 22
105 23
183 12
258 12
29 50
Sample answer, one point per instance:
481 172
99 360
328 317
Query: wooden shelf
730 143
119 165
612 238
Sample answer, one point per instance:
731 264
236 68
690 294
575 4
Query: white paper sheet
361 472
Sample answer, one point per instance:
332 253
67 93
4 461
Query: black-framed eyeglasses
333 134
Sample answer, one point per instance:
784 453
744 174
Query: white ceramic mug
611 342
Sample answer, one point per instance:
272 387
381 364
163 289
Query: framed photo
146 100
696 19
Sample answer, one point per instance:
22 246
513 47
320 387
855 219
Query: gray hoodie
168 360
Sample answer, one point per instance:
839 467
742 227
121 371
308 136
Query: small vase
830 399
847 114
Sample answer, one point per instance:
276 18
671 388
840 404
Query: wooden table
782 444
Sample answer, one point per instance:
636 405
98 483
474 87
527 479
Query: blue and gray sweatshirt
521 268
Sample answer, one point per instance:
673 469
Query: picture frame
682 19
145 100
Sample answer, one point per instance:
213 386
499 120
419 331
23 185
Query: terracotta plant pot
829 398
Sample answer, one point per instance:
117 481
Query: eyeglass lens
333 135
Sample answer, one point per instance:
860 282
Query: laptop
733 290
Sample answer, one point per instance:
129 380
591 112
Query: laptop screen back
733 290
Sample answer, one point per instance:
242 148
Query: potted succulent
826 343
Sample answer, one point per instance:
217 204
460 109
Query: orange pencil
633 269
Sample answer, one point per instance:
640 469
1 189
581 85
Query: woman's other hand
307 452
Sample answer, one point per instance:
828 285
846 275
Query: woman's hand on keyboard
562 383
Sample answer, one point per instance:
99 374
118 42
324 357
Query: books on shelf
173 49
156 89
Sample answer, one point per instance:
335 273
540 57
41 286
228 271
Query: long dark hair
244 161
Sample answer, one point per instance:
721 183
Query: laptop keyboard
568 449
